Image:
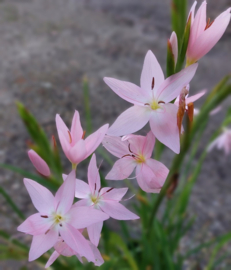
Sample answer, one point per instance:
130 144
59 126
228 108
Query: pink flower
204 35
104 199
174 44
74 146
222 142
61 248
151 102
39 164
135 153
57 217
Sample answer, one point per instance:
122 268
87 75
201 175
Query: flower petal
41 197
39 164
174 43
151 69
42 243
66 146
94 232
117 211
115 194
192 11
115 146
195 97
82 216
95 139
75 240
98 258
148 145
65 195
52 258
93 175
78 152
35 224
142 175
76 128
82 189
60 125
121 169
173 85
130 121
128 91
164 127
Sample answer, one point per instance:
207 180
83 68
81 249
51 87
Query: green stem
11 203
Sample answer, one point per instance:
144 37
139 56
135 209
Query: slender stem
12 204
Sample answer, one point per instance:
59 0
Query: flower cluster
160 102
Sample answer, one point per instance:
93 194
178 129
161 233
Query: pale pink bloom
190 99
61 248
105 199
57 217
151 102
74 146
222 142
204 35
39 164
135 152
174 43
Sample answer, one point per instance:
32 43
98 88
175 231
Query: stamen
95 186
129 147
70 138
84 133
161 102
110 189
147 104
47 231
208 23
153 83
60 225
44 216
128 155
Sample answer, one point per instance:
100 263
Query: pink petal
136 143
164 127
62 248
115 194
52 258
128 91
39 164
210 36
151 69
160 173
95 139
195 97
75 240
115 146
130 121
121 169
60 125
94 232
117 211
192 11
142 176
42 243
173 85
65 195
35 224
198 25
174 43
41 197
76 128
83 202
66 146
148 145
78 152
98 258
82 216
82 189
93 175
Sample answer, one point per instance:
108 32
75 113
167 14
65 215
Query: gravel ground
46 48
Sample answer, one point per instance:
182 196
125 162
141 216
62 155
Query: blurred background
48 46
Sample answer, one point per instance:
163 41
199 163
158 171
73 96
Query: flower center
95 199
140 159
58 218
154 105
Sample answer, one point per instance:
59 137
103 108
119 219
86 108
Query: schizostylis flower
204 34
39 164
151 102
75 147
105 199
56 216
135 153
222 142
